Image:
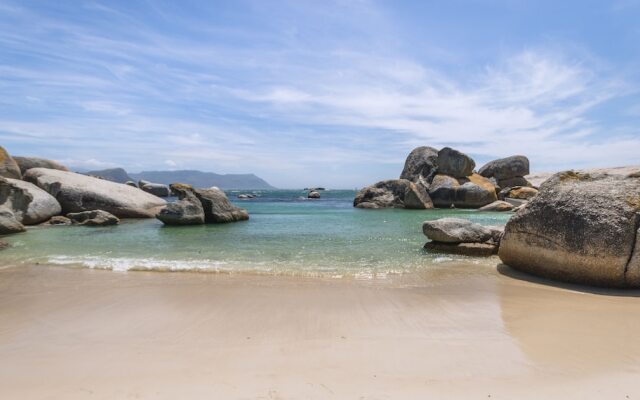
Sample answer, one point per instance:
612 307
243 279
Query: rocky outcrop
157 189
8 166
313 195
471 192
77 193
509 171
218 208
461 236
421 164
29 204
187 210
580 228
497 205
454 163
93 218
395 193
8 222
26 163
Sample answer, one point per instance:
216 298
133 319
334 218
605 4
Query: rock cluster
26 163
93 218
461 236
199 206
395 193
581 228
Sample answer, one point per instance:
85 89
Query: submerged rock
4 245
77 193
26 163
59 220
454 163
29 204
218 208
394 193
456 230
580 228
93 218
8 166
8 222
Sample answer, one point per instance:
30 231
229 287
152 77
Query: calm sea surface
286 234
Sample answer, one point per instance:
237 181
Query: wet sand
457 331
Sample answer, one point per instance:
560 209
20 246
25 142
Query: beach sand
456 331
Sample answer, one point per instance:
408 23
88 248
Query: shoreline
464 331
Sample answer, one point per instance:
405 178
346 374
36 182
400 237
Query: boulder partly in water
29 204
218 208
394 193
93 218
580 228
187 210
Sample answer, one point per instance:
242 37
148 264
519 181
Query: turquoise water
286 234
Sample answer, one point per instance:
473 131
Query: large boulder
454 163
456 230
187 210
420 165
394 193
157 189
522 193
26 163
93 218
8 166
77 192
473 191
30 204
218 208
505 168
580 228
513 182
9 223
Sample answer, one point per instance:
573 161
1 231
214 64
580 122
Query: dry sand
457 331
536 179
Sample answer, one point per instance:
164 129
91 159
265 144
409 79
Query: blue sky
331 93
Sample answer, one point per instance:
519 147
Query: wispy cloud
295 93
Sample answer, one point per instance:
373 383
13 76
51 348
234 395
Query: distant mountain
195 178
204 179
113 174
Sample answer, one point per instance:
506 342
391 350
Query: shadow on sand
506 270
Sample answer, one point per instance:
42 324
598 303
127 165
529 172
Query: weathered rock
456 230
465 249
9 223
93 218
522 193
394 193
131 183
454 163
497 205
505 168
142 182
443 190
59 220
157 189
420 165
581 228
475 191
8 166
186 211
29 204
77 193
218 208
471 192
26 163
178 189
313 195
513 182
516 202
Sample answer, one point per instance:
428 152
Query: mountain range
192 177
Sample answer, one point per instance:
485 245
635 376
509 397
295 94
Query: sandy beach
460 331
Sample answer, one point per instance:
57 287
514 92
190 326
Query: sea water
286 234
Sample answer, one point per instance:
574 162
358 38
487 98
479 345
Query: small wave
139 264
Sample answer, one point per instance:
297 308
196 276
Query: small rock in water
4 245
313 195
93 218
59 220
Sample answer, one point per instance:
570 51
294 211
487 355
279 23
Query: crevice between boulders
633 249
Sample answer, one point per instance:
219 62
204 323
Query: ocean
286 234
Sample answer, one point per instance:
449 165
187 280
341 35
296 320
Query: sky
330 93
